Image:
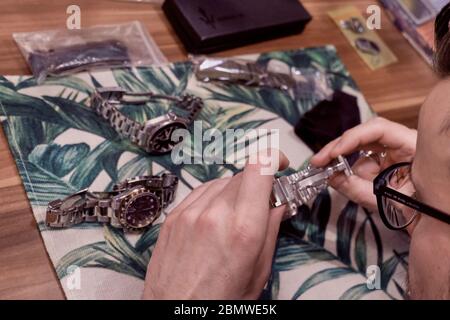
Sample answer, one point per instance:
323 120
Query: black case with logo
206 26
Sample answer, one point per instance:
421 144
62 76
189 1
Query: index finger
378 130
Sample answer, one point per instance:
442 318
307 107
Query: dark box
206 26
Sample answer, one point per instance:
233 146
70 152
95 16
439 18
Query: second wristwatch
132 205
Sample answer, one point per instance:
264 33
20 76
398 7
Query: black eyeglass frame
381 190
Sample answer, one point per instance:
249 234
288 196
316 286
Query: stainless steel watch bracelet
238 71
299 188
87 206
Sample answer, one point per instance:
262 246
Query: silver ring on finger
378 157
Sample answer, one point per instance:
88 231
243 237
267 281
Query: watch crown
172 115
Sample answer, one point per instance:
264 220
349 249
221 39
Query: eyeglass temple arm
382 190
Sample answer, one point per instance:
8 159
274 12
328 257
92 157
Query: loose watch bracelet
104 207
299 188
238 71
104 102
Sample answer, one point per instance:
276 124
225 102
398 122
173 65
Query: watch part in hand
155 135
299 188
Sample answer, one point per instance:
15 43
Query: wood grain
25 269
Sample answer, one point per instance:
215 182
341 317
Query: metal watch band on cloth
260 77
298 188
241 72
104 101
87 206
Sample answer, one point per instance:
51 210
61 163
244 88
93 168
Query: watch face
161 140
141 210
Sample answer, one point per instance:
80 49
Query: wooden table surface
26 272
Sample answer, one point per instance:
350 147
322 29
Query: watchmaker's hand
219 242
377 135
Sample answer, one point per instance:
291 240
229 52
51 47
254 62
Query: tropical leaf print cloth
61 146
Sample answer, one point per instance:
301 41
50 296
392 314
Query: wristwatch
155 135
132 204
299 188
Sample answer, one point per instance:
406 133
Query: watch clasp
298 188
111 94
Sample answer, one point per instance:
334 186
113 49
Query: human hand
219 242
377 135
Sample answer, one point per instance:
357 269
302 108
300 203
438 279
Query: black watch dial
142 210
161 140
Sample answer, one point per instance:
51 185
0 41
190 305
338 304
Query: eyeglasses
396 198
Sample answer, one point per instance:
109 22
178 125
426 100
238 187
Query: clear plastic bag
311 84
60 52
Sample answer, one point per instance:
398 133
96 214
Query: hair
442 42
442 52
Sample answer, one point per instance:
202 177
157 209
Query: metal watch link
155 135
133 204
299 188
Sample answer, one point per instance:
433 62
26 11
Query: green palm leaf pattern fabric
60 146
